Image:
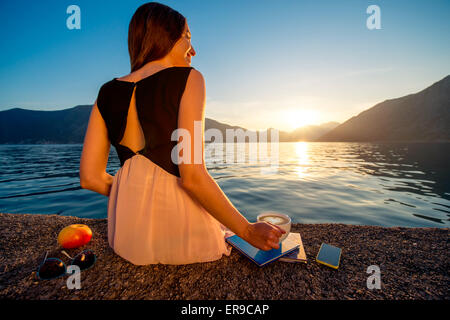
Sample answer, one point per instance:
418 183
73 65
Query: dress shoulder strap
112 102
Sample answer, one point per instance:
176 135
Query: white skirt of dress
152 219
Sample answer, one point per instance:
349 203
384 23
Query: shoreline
413 263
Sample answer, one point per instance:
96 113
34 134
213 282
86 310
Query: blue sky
277 64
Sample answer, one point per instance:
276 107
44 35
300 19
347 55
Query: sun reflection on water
303 161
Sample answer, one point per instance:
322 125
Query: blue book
261 257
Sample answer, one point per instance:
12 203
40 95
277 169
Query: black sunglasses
52 268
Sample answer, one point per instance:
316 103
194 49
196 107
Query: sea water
384 184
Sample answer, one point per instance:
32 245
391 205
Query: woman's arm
102 186
94 157
196 180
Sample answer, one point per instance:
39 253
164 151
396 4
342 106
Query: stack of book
290 250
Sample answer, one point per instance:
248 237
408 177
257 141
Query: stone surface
413 264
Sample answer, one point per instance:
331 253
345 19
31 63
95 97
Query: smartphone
329 255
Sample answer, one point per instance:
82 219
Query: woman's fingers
268 236
281 230
273 242
271 246
275 245
278 232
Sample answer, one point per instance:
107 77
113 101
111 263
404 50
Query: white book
299 254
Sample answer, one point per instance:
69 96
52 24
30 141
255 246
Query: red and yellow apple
74 236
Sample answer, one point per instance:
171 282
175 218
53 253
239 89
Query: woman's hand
263 235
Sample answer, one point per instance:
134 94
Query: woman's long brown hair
154 29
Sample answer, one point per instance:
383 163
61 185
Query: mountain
423 116
308 133
210 123
22 126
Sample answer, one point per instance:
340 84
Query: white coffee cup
279 219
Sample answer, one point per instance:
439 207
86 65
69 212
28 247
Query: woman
160 211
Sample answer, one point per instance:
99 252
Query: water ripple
387 184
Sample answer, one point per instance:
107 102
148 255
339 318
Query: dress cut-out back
151 218
133 130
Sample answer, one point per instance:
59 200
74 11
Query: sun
296 118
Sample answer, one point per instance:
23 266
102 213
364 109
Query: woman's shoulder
196 78
196 73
